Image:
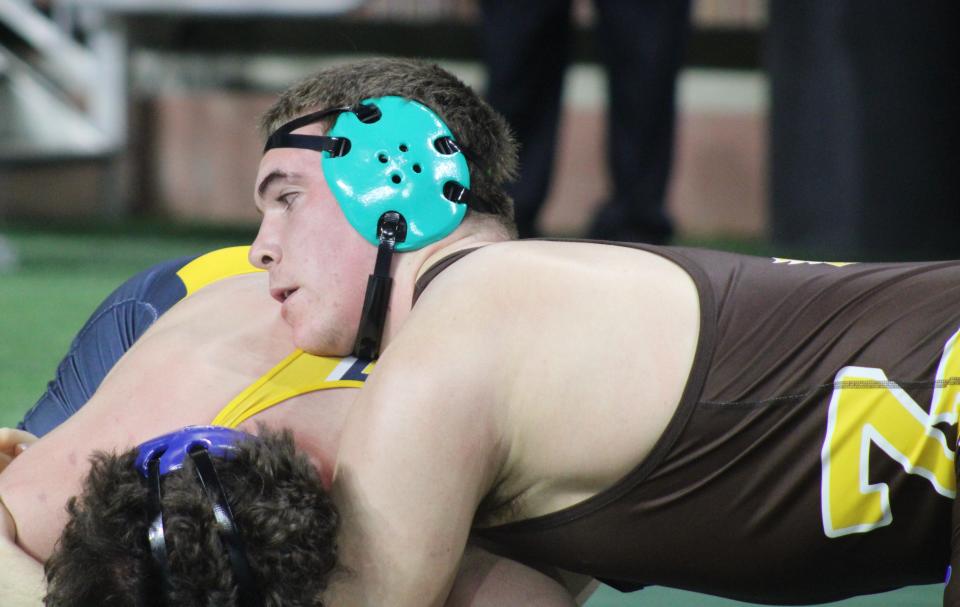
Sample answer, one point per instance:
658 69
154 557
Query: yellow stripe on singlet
297 374
214 266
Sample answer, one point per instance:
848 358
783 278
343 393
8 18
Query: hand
13 442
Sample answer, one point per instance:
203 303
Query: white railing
69 99
68 60
84 86
39 120
267 8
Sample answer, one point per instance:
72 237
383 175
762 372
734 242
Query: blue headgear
400 178
164 454
170 449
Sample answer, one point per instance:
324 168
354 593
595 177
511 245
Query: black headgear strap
391 229
155 532
283 137
248 591
366 113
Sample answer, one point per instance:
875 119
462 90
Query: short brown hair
286 518
483 132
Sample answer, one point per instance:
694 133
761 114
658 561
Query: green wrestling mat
914 596
62 276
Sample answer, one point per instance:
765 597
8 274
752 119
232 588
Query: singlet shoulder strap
433 271
298 373
215 265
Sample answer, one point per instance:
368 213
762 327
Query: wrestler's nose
265 250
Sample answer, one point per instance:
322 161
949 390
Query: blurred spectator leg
911 128
642 43
526 46
864 128
815 130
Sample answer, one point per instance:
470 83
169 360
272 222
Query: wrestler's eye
287 199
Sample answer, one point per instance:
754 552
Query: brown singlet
811 455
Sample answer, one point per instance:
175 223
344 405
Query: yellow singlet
213 266
297 374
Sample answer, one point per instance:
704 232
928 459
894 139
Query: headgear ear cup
395 163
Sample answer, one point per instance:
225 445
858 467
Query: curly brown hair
492 148
285 515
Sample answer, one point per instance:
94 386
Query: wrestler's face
318 263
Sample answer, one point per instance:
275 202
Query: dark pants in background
641 42
865 128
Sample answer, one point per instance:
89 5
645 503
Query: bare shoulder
529 288
547 311
573 335
488 580
540 301
513 269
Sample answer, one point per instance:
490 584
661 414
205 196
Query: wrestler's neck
409 267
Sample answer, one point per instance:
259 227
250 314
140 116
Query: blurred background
815 129
824 126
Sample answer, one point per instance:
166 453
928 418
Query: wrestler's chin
319 339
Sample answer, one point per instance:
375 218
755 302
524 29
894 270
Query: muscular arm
485 580
422 446
426 549
21 577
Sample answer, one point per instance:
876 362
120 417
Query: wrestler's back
804 372
597 345
191 362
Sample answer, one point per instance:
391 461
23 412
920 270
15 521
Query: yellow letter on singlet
866 408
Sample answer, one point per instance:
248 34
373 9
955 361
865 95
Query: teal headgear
401 180
390 154
395 164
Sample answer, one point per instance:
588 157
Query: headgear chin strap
392 230
162 455
400 178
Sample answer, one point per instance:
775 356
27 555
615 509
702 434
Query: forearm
21 576
485 580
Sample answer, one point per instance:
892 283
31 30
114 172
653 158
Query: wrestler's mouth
282 295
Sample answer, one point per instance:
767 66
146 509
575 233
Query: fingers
13 442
